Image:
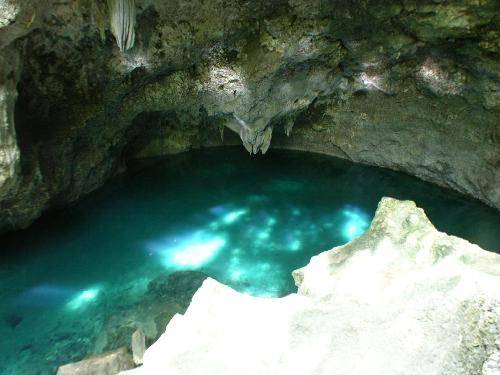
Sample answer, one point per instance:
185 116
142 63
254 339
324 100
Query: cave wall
408 85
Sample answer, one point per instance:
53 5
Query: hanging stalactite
122 17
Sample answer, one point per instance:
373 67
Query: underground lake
82 279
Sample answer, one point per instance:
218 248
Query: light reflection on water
240 237
247 222
354 223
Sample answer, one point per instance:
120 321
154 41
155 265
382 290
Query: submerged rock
109 363
166 296
403 298
177 287
13 320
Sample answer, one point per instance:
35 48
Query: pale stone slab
109 363
138 344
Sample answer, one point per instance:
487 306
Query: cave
250 187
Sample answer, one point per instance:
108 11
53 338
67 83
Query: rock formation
404 84
138 345
109 363
401 299
122 15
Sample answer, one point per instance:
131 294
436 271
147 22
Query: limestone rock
122 14
411 86
401 299
138 345
8 12
109 363
256 140
9 151
179 286
166 296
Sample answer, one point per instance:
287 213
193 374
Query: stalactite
221 132
256 140
266 139
122 17
288 126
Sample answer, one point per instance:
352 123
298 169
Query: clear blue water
76 282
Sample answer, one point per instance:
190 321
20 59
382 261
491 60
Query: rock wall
9 152
408 85
401 299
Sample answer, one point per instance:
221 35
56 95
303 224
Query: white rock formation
9 151
122 18
401 299
138 345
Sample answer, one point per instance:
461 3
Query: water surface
70 280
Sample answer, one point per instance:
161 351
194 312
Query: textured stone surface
401 299
138 345
109 363
408 85
9 152
166 296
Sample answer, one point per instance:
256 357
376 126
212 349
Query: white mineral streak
122 13
9 152
401 299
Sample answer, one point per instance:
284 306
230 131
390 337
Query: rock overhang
387 84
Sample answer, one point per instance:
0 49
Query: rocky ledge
403 298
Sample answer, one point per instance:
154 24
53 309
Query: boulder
403 298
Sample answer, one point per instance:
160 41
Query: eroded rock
9 152
110 363
402 298
166 296
410 86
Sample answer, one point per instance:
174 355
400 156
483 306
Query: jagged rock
109 363
401 299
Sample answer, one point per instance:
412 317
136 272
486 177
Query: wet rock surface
109 363
408 85
403 297
120 332
165 296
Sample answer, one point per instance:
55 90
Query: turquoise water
79 281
